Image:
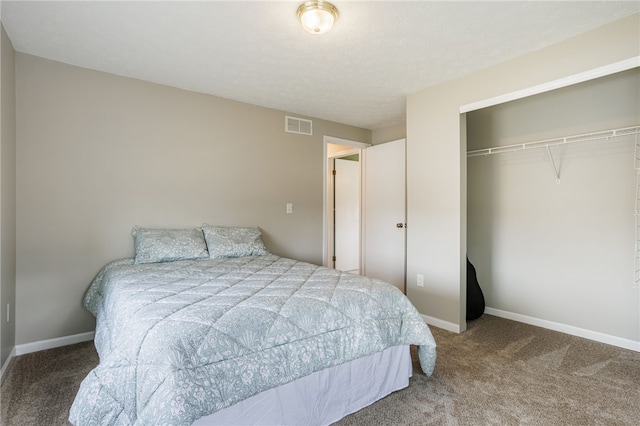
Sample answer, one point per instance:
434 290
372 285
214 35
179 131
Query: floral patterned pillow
233 241
168 245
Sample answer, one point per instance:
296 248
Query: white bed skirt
323 397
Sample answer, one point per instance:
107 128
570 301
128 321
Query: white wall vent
298 125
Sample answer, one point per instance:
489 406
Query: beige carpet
499 372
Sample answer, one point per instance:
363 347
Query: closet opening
553 194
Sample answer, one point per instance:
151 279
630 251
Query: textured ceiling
257 52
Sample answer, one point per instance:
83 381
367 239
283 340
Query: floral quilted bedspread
181 340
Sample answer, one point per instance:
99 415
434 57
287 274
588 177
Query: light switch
289 208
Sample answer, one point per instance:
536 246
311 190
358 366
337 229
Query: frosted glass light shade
317 16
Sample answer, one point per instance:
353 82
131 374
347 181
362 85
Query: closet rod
634 130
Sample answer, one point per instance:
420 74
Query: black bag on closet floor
475 298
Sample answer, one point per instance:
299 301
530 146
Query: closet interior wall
561 252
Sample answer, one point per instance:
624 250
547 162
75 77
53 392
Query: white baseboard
53 343
7 363
445 325
567 329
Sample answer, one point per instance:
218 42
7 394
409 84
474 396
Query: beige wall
388 134
7 197
98 153
436 160
562 252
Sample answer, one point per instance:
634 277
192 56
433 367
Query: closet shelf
634 130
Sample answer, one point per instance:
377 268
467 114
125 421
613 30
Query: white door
347 215
385 212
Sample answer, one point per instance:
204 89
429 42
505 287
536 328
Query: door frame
327 190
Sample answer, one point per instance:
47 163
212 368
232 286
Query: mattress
181 340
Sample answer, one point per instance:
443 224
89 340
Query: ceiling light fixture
317 16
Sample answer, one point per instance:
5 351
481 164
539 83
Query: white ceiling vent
298 125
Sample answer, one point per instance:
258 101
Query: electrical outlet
420 280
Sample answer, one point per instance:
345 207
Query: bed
220 331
